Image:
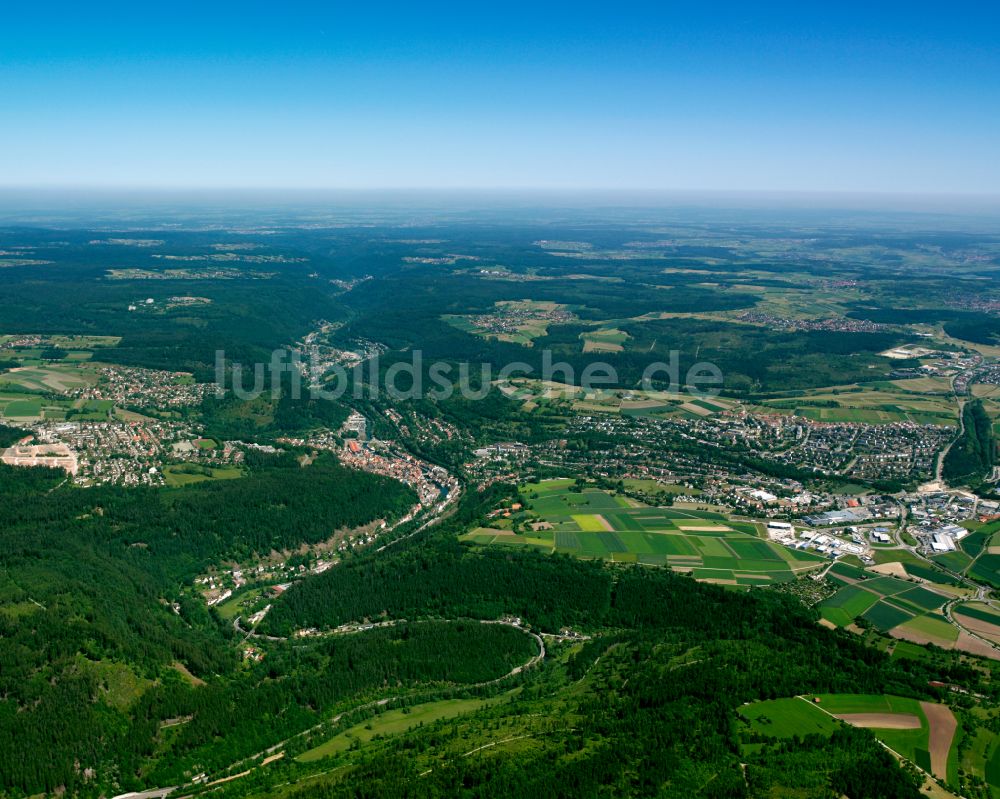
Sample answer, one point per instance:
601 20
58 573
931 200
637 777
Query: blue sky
902 97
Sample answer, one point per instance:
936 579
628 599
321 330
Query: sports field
593 523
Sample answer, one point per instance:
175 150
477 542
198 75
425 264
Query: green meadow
393 722
182 474
786 718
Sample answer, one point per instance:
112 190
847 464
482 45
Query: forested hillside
86 628
646 706
973 454
85 583
251 628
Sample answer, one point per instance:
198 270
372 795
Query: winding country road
353 629
948 615
159 793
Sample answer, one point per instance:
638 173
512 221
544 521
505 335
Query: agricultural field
956 561
59 378
27 391
985 391
533 393
26 407
905 564
244 603
592 523
979 617
899 607
921 732
52 351
92 410
606 339
808 300
986 566
864 416
65 342
979 553
879 403
925 385
979 538
909 566
980 751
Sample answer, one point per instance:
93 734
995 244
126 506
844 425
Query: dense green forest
87 573
413 319
972 456
90 287
849 764
115 675
646 709
84 627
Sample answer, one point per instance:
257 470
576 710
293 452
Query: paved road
939 472
152 793
881 743
158 792
948 615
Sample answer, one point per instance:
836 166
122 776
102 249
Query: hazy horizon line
51 197
480 189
